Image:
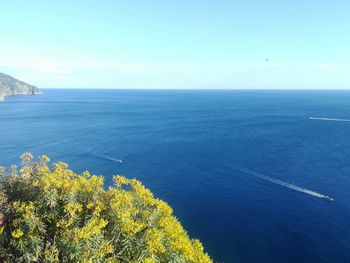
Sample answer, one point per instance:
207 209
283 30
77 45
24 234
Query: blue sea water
191 148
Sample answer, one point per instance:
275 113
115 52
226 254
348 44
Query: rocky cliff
10 86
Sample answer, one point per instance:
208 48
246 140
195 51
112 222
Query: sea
259 176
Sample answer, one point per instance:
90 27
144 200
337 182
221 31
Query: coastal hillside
10 86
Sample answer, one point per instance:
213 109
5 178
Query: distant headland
10 86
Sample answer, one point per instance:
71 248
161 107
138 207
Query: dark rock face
10 86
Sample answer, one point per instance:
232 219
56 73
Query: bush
54 215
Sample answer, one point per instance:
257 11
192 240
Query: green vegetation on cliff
55 215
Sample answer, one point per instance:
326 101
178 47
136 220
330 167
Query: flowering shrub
54 215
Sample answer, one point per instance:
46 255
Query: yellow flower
44 159
106 248
132 227
73 208
93 227
154 242
164 208
149 260
120 180
17 233
26 171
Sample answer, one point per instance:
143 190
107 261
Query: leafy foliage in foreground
54 215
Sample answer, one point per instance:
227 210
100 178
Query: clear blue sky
177 44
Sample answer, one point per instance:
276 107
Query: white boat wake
105 157
285 184
327 119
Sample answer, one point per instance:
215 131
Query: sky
183 44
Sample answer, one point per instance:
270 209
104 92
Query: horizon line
209 89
